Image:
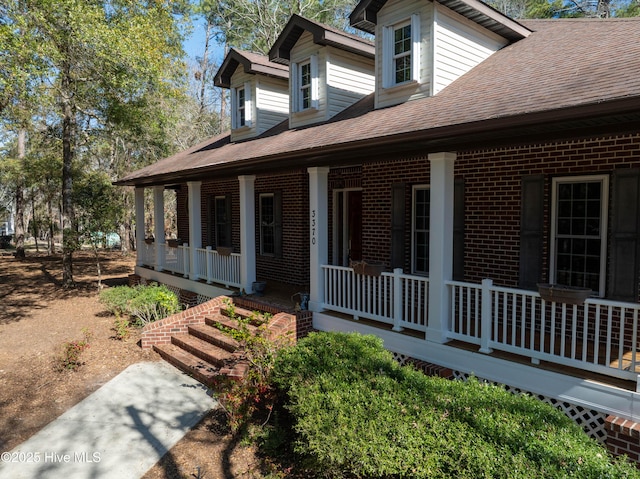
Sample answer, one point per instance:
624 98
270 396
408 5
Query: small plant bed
347 409
138 306
250 394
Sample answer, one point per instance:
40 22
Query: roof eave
503 129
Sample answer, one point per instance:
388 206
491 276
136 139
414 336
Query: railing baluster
574 331
623 314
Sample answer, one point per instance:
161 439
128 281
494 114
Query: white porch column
195 226
139 201
318 233
247 232
440 244
158 225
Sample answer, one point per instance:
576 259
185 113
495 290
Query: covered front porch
188 264
584 355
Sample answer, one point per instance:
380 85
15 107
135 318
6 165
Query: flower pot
563 294
174 243
224 250
366 268
148 240
259 287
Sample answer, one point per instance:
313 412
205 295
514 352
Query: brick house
419 187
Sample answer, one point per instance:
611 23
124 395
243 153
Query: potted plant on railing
367 268
149 240
224 250
560 293
174 243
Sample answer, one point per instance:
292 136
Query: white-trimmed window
267 224
222 225
305 84
241 106
579 231
420 218
401 52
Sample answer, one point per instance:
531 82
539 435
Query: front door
347 222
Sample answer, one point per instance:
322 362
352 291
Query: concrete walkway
119 431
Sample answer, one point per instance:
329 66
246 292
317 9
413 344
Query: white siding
272 103
350 77
392 13
240 79
459 45
269 102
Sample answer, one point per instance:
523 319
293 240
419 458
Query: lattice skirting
591 421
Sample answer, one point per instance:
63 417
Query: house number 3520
313 227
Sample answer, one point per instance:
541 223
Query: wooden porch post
139 201
440 245
318 234
195 226
247 232
158 225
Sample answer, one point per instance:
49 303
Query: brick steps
206 351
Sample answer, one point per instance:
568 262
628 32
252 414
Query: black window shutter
397 225
458 229
229 222
277 211
624 254
531 230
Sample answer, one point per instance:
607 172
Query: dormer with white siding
259 92
329 69
423 46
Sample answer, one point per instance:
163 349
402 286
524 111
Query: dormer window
401 52
305 85
241 106
305 88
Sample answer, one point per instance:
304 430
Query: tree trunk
19 199
69 237
34 222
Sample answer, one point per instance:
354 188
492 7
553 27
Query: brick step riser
221 341
241 313
206 379
204 355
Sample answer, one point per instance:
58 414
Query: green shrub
356 413
116 299
143 304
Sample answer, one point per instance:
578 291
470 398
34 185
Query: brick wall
293 266
492 197
623 438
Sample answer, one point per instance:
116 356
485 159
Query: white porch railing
393 298
215 267
147 254
598 336
211 266
176 259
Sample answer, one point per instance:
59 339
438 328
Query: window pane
267 225
421 215
578 229
403 69
221 223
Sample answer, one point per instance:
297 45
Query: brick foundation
623 438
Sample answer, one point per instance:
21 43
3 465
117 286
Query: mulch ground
37 318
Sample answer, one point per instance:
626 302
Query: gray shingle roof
565 69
